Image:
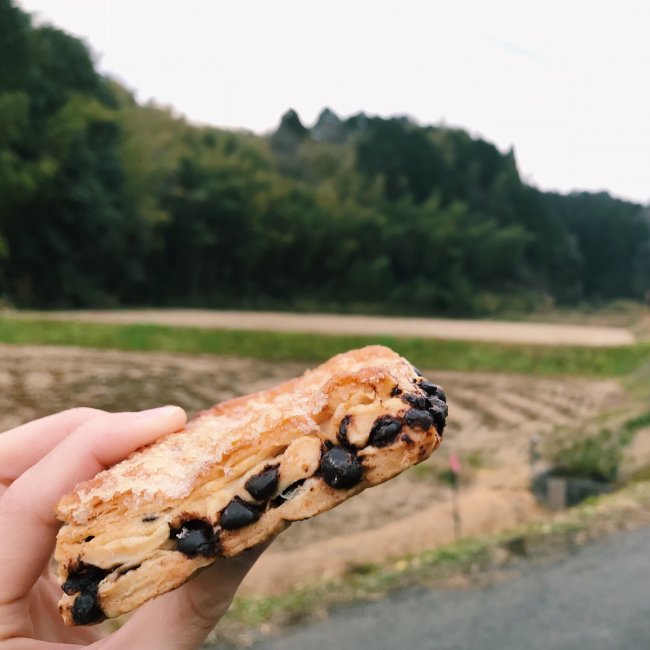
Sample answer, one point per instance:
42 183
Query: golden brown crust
355 421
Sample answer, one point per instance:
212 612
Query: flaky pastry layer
238 474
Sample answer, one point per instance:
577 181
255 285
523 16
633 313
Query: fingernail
160 412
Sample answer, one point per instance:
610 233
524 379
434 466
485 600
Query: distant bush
597 458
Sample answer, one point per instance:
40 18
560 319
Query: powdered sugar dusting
169 468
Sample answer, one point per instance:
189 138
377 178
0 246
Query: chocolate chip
384 430
417 418
86 609
340 468
263 485
396 391
85 577
195 537
433 390
416 401
238 514
147 518
342 435
89 538
437 404
439 411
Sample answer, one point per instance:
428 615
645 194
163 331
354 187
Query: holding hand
43 460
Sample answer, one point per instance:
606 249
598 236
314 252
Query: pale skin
41 461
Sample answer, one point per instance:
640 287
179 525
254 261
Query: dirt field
440 328
491 420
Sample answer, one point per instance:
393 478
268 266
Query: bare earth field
492 418
438 328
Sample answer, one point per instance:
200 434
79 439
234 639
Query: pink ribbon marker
454 463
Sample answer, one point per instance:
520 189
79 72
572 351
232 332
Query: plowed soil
491 421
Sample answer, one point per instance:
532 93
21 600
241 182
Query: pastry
238 474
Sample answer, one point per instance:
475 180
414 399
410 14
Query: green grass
632 425
364 582
427 353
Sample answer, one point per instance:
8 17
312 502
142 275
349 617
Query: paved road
598 599
437 328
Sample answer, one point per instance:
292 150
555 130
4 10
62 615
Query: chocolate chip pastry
238 474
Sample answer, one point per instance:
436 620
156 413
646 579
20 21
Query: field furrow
492 418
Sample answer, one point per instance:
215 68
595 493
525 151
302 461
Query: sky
565 83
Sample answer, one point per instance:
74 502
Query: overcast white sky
564 82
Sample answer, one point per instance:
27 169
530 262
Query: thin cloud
508 46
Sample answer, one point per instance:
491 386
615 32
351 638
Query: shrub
597 457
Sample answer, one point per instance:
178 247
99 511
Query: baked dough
238 474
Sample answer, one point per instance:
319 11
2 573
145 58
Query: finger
181 619
33 644
23 446
27 523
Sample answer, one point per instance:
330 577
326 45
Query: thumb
181 619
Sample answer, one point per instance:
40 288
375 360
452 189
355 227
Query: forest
106 202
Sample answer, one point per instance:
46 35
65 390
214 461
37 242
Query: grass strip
427 353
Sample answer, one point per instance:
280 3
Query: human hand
41 461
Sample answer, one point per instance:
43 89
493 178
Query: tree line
105 202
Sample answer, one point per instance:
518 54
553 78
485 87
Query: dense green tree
67 230
409 162
104 201
14 45
612 237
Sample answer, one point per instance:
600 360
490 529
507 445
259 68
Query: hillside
104 202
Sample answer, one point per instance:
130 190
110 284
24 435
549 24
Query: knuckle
13 505
83 413
10 503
